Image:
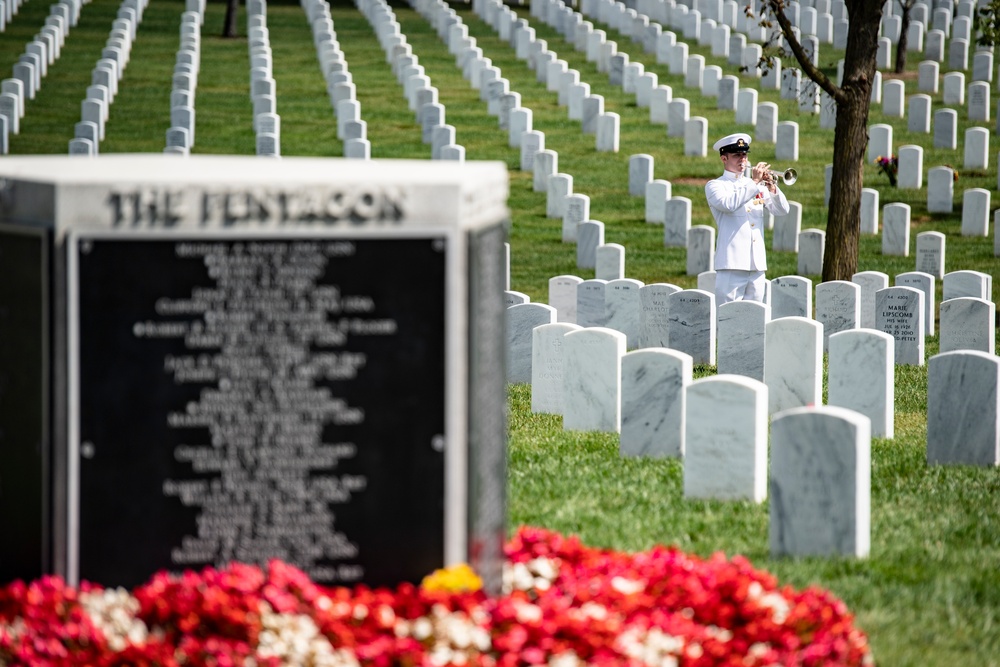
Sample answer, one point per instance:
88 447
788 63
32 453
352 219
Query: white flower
521 577
422 628
295 640
481 639
593 610
778 605
653 647
567 659
113 612
627 586
546 568
721 634
441 655
527 612
386 616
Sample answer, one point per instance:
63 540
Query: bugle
788 176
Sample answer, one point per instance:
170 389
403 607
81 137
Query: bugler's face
734 162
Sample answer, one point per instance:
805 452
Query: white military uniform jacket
737 204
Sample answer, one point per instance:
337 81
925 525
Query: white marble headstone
521 319
975 212
700 249
963 409
577 211
742 335
513 298
589 235
610 262
911 167
592 360
945 129
532 141
640 173
558 188
562 296
870 282
899 312
591 110
924 282
838 307
967 283
607 129
896 229
726 459
678 112
623 308
861 376
657 194
547 366
692 324
820 483
676 222
791 296
968 324
546 163
812 245
793 363
654 320
590 302
787 228
931 253
767 123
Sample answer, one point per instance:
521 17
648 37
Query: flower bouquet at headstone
564 605
888 165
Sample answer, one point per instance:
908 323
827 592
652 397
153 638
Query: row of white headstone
105 78
648 396
940 191
645 314
8 10
420 95
263 92
32 66
184 82
589 234
744 102
674 213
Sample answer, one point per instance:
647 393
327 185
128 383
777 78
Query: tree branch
777 8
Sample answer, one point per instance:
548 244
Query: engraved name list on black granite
261 398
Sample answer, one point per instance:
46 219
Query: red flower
579 605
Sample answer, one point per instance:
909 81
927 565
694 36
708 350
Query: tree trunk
904 38
232 9
843 226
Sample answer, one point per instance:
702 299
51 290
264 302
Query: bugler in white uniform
737 204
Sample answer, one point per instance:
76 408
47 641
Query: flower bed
565 605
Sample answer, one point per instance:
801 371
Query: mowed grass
929 594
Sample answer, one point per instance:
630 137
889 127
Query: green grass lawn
929 594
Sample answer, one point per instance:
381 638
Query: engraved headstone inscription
247 367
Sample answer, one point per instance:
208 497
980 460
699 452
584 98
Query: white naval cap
733 143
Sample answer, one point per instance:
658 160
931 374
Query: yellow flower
454 579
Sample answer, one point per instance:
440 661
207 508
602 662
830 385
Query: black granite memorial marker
25 525
234 361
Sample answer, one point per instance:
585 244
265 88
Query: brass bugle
788 176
